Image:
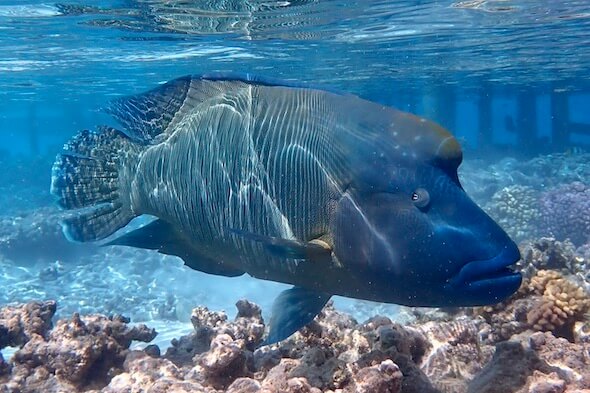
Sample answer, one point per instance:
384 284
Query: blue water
509 78
60 63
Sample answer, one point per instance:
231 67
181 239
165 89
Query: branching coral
548 301
562 303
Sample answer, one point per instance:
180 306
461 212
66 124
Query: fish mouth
493 271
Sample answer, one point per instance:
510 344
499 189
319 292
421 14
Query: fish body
323 190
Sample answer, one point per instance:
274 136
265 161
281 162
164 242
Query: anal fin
292 310
161 236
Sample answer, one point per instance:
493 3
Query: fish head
405 221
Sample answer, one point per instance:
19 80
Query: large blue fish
326 191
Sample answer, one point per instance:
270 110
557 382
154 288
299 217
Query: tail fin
93 174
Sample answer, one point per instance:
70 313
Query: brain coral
565 212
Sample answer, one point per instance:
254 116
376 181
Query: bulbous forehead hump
427 139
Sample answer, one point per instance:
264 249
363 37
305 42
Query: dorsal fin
147 115
259 80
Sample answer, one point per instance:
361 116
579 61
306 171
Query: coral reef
19 324
564 257
535 363
565 212
483 178
555 303
581 262
562 303
509 369
457 353
547 301
548 253
334 354
516 209
90 354
558 168
76 355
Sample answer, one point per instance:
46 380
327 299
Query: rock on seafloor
333 354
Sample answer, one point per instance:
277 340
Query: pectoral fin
292 310
163 237
287 248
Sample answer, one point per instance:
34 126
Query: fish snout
494 267
484 258
491 280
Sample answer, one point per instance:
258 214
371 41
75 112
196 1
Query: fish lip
488 270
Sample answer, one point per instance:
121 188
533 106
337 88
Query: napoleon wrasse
326 191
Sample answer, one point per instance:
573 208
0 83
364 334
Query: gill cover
408 228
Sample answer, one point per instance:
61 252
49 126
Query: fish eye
421 198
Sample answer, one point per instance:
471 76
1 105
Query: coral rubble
19 324
333 354
79 354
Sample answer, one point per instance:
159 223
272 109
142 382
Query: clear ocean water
509 78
